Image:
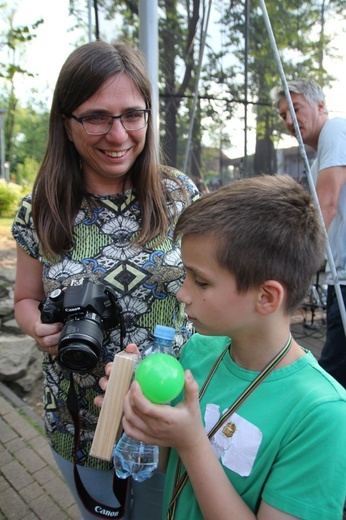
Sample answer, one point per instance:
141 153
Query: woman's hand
47 336
28 292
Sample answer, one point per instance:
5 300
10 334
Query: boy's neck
255 355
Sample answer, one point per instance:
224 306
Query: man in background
328 138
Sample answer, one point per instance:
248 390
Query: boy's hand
179 427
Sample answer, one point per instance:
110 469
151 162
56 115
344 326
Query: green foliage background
10 197
300 32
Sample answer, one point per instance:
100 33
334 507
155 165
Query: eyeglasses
99 124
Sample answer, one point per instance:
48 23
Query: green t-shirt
285 445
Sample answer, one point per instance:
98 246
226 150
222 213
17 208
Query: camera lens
77 357
80 343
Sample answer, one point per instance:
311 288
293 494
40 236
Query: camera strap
120 486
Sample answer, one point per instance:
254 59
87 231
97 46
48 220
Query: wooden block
112 408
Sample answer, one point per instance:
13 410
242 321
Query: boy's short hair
267 228
311 90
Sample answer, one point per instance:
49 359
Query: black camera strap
120 486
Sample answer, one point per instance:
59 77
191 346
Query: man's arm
329 184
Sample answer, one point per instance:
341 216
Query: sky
45 55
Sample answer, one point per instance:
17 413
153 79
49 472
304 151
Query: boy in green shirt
260 431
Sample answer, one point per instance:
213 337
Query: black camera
87 310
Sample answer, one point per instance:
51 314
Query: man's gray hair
311 90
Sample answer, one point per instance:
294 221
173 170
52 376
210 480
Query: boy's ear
270 297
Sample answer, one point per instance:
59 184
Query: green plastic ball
161 377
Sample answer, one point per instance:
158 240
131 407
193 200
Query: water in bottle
135 458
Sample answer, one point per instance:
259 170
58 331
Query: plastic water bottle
162 343
135 458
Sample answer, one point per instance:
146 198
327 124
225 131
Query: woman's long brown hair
59 187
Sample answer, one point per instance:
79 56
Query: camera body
87 311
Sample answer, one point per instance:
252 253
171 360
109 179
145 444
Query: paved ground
30 484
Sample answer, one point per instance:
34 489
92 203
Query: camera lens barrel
80 343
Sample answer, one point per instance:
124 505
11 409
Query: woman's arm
28 293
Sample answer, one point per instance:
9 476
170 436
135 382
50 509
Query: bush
27 171
10 196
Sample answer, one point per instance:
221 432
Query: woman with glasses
102 211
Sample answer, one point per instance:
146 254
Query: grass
5 227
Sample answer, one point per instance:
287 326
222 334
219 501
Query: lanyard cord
179 483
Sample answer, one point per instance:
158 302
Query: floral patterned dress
145 280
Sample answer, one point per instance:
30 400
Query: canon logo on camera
105 512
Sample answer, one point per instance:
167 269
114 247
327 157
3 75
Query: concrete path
31 486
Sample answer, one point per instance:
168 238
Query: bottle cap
163 332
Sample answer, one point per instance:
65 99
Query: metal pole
246 50
305 160
149 44
2 142
2 138
90 28
200 60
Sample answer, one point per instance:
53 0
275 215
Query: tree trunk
265 155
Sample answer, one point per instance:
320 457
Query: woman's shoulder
24 209
26 199
177 180
23 229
